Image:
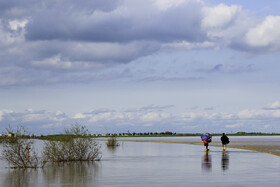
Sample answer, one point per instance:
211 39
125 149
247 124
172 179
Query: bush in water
112 142
18 152
72 146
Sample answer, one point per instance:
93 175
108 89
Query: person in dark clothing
225 141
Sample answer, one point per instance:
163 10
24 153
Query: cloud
225 25
185 45
273 106
165 78
56 63
14 8
34 120
33 116
220 16
228 68
50 42
151 108
234 126
251 114
1 115
125 23
165 4
265 35
148 118
265 113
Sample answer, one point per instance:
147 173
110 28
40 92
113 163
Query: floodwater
234 140
154 165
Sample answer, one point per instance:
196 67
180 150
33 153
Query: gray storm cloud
50 39
125 23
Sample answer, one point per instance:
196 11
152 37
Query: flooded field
266 144
234 140
155 164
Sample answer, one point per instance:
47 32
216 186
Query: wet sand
269 145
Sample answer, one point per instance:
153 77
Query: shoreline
272 149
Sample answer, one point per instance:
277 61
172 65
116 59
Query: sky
186 66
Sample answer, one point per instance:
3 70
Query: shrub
72 146
112 142
17 151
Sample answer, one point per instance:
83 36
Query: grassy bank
59 136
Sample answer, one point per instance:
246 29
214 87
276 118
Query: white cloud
138 119
265 34
1 115
225 25
165 4
9 38
251 114
79 116
31 116
273 106
188 116
258 114
219 16
276 114
234 126
155 116
107 116
18 24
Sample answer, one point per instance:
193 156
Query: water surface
155 164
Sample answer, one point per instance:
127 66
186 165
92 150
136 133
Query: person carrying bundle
206 138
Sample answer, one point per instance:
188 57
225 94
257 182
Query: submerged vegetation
19 153
112 142
72 147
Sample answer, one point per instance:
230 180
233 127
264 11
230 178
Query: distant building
10 134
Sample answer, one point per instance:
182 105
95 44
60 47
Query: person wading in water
206 138
225 141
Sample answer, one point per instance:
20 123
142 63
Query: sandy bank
259 146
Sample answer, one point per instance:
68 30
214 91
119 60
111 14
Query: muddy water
154 164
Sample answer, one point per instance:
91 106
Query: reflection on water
20 177
72 174
57 174
225 161
153 165
112 149
206 162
